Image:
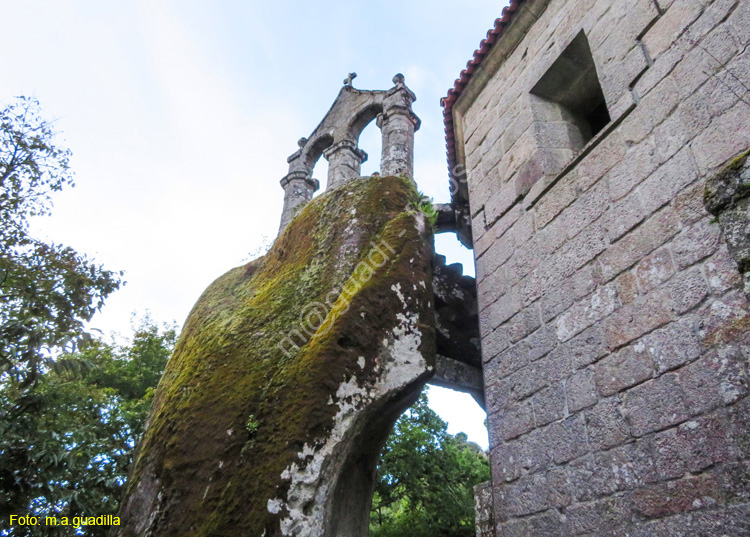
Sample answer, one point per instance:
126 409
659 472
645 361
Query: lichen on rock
288 375
727 196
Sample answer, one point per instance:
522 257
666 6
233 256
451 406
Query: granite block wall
615 326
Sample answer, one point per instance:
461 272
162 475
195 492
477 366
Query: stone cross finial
348 80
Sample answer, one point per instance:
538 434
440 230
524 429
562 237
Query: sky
180 116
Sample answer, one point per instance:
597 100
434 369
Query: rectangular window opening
572 83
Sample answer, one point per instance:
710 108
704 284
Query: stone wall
485 522
614 324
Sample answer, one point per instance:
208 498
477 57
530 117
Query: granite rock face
727 196
289 374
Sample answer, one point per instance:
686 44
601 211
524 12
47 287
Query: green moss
423 204
234 408
738 162
726 187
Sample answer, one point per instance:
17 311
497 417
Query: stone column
398 123
344 162
299 188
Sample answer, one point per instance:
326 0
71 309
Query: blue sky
180 116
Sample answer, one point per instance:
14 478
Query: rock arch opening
349 515
428 472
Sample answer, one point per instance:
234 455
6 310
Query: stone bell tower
336 138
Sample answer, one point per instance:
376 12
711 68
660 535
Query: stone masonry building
598 157
598 152
291 370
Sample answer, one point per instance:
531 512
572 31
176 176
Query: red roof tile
455 92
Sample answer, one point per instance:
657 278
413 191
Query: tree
69 451
426 478
47 291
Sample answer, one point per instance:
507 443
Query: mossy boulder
727 196
288 375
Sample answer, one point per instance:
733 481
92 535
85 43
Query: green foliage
424 205
426 478
252 425
66 446
47 291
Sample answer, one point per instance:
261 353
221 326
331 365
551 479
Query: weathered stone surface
298 190
606 425
654 269
289 374
668 454
718 378
558 488
485 520
591 477
735 223
549 405
705 441
724 320
581 390
645 382
632 465
698 242
638 243
516 420
687 290
674 345
506 461
336 138
457 326
676 497
566 440
722 271
631 366
526 495
598 517
524 323
655 405
669 179
460 376
623 216
735 482
494 343
639 162
548 523
640 316
709 523
584 313
627 287
555 300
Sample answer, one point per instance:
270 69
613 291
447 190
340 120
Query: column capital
399 110
314 184
345 145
